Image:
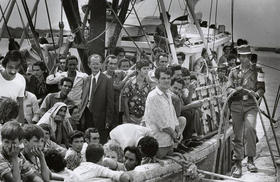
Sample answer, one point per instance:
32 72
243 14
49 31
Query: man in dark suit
97 105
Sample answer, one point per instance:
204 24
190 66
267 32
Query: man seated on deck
244 109
160 115
93 167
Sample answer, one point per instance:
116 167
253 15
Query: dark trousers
87 122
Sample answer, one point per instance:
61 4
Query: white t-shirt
12 88
129 134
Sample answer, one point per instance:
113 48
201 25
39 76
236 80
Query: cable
49 20
5 21
216 14
210 17
141 27
5 10
277 69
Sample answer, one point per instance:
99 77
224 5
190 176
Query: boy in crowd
91 137
13 166
73 155
33 137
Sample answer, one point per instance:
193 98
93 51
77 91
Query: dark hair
142 63
232 56
181 54
241 42
43 40
203 52
13 45
75 134
175 68
226 46
11 130
66 79
32 130
136 152
70 58
254 58
94 153
13 55
89 131
42 66
123 60
148 146
55 161
118 50
8 109
178 80
162 70
46 127
185 72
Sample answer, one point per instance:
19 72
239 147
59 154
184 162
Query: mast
168 32
72 15
10 10
97 27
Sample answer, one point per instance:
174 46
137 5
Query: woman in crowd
58 119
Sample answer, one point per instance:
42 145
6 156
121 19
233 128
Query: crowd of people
64 124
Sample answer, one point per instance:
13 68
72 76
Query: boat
209 90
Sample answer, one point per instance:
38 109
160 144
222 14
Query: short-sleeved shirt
6 167
73 159
53 98
30 105
136 97
12 88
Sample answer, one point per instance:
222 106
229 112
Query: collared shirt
30 105
6 167
88 171
76 91
160 114
90 90
53 98
73 159
251 79
136 97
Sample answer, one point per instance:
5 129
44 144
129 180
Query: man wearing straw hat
244 109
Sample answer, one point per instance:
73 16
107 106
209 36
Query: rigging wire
5 21
22 21
35 20
5 10
232 13
169 5
209 21
141 27
216 15
50 24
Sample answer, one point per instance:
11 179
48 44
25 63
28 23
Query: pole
23 36
10 10
232 8
168 32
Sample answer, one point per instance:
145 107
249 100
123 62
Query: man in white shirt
12 83
93 167
72 73
160 115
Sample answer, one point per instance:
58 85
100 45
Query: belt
240 97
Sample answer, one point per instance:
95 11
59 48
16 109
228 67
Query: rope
169 5
5 10
216 14
210 17
5 21
141 27
49 20
35 20
277 69
29 19
21 18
